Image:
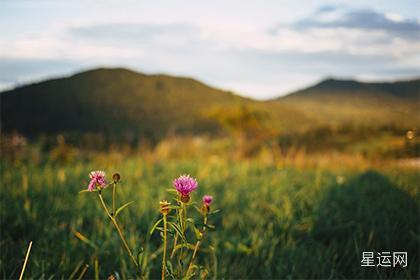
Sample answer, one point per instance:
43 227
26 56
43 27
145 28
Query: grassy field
276 221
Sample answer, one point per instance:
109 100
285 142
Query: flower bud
164 207
207 201
205 209
185 198
116 177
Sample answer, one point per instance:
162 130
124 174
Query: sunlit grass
287 219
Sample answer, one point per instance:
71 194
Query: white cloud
394 17
249 51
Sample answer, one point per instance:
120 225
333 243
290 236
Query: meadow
302 217
291 185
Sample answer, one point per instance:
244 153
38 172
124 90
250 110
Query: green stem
113 199
173 250
183 223
164 247
179 215
118 229
196 247
184 218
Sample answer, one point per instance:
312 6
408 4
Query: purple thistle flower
185 184
97 178
207 200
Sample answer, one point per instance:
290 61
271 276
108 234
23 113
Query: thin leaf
169 268
185 245
198 209
86 190
172 191
122 207
194 269
197 232
214 212
209 226
154 226
85 239
117 275
140 256
178 230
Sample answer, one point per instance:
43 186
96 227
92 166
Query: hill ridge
354 85
117 101
120 101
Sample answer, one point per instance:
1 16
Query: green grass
274 223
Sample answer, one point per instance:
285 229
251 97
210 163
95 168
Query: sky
259 49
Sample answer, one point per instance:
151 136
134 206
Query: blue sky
260 49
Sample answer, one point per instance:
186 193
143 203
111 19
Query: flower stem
114 221
113 200
196 247
184 218
183 223
179 218
173 250
164 247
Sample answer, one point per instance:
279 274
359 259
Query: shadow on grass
368 213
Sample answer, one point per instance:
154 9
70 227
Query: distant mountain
335 101
120 101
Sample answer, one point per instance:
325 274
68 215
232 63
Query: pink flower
207 200
185 184
97 178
